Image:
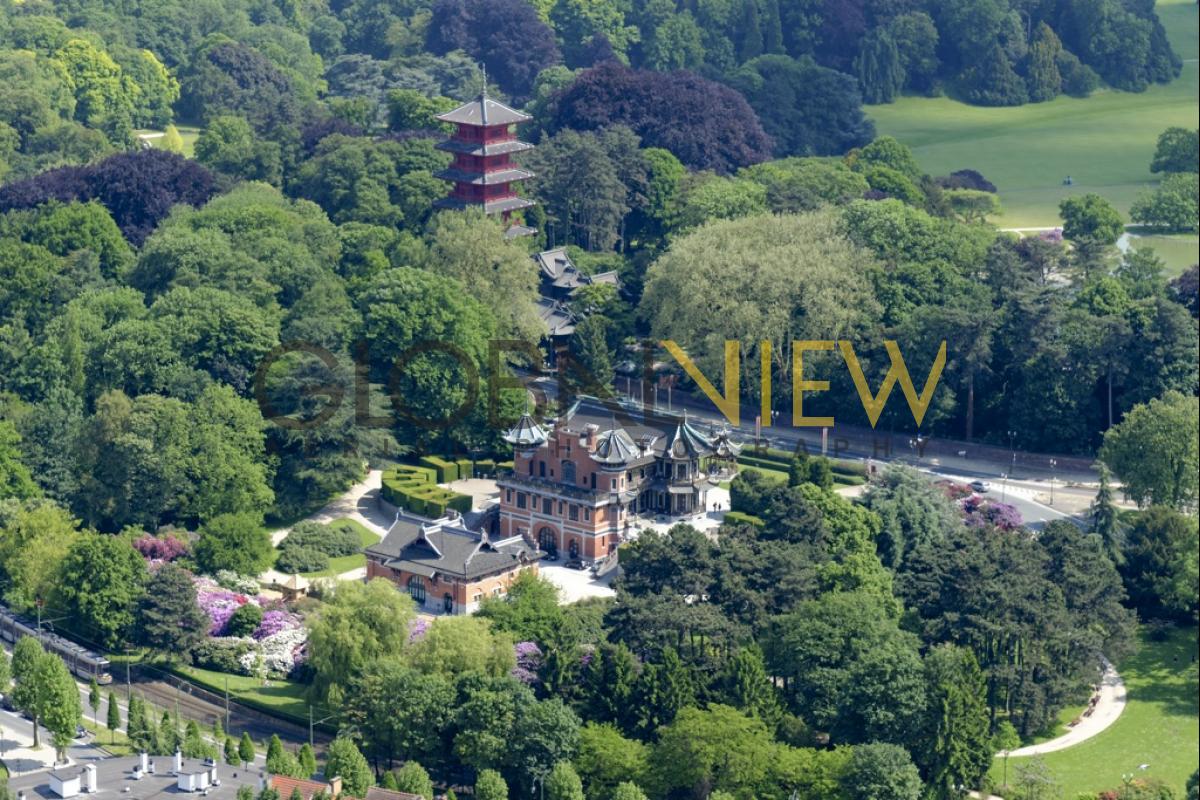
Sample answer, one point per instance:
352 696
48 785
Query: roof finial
483 98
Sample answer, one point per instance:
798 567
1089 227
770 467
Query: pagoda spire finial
483 98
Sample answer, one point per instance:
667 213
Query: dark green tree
954 745
169 619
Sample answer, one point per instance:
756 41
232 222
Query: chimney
335 787
143 762
591 430
177 763
89 778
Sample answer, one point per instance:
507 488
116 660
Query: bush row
415 489
741 518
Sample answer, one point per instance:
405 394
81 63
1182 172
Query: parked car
980 486
574 564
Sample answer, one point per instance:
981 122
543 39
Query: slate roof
482 149
559 319
684 441
484 178
483 110
526 433
427 547
490 207
559 271
654 434
615 446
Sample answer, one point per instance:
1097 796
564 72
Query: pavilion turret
483 172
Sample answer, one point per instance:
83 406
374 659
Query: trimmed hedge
465 470
740 518
414 489
485 468
447 471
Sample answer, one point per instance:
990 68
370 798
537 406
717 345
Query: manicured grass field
1104 142
344 563
280 696
188 133
1159 727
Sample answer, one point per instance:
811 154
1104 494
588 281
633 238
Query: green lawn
344 563
189 134
1160 725
279 696
1104 142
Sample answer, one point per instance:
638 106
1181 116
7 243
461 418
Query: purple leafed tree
138 189
506 35
705 124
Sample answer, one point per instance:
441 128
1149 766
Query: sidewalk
1103 714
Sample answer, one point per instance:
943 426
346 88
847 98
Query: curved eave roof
693 443
615 447
484 111
526 433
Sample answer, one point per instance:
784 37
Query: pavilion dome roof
684 441
615 447
526 433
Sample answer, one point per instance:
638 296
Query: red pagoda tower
483 172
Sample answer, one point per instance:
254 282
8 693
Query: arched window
416 589
568 472
548 542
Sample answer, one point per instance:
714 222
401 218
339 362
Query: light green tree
360 623
412 778
1155 452
1005 740
455 646
246 750
563 783
497 272
113 719
490 785
345 761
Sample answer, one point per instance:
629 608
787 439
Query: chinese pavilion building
483 172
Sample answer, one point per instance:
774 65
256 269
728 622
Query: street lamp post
1012 445
1053 464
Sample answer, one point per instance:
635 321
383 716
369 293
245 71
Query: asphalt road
16 731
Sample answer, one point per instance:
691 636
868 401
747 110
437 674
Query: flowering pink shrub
276 621
416 631
219 604
1054 236
529 661
981 513
160 548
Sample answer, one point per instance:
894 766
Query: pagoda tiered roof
490 207
483 110
484 178
483 149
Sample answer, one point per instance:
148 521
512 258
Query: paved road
1108 707
1021 491
16 735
